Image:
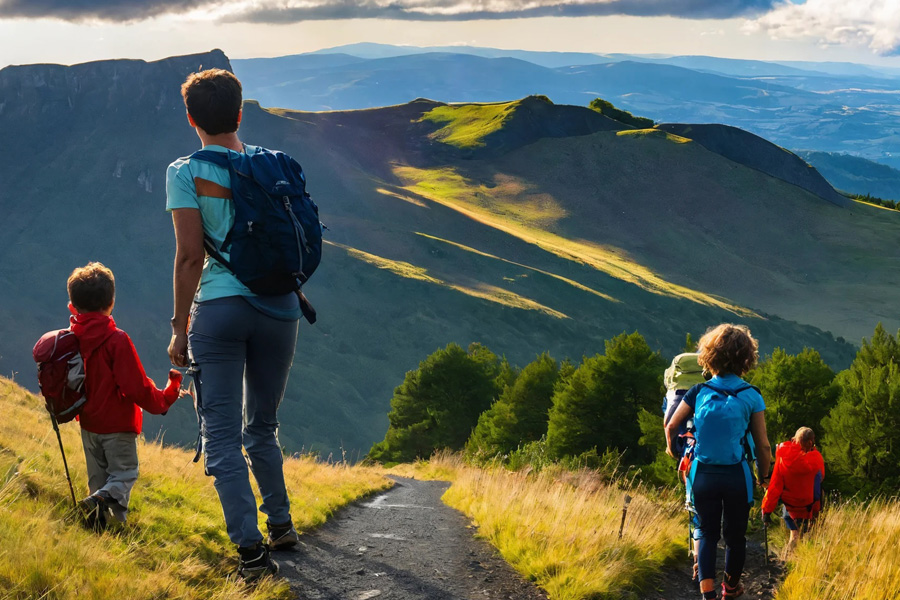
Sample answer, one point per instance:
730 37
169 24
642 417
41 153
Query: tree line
472 400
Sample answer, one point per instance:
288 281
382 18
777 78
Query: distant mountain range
826 107
524 225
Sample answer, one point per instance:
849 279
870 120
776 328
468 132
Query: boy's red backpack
60 373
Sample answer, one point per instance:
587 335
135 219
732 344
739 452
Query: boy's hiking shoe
255 563
93 512
282 537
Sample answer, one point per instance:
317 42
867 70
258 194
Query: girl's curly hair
728 348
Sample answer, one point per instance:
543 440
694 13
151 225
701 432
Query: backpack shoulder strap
727 392
217 158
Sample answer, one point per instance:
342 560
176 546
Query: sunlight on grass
571 282
851 554
482 291
403 197
175 544
466 125
397 267
447 187
655 133
560 529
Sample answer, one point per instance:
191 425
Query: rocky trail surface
760 580
403 544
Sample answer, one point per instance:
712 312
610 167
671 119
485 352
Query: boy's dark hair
91 287
213 99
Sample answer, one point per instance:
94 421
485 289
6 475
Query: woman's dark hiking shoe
256 563
282 537
711 595
734 591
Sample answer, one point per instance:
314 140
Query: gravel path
759 581
403 544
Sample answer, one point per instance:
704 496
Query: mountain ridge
430 245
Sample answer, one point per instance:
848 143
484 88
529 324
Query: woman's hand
669 451
178 349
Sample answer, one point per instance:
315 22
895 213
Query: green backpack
684 372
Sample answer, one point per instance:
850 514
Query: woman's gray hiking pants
243 357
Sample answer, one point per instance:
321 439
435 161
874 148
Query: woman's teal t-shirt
216 281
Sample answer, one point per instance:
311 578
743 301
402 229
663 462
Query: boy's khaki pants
112 466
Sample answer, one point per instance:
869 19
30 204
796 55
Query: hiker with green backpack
683 374
727 412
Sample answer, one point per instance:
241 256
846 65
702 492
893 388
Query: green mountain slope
552 230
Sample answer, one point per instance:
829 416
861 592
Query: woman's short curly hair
728 348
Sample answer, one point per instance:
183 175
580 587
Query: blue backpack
721 418
275 243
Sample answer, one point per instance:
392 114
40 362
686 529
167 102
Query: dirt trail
759 581
403 544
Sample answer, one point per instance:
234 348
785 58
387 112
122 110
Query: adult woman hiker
797 482
725 410
241 345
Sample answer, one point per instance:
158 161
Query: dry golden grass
560 529
852 554
174 545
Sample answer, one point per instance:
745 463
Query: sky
73 31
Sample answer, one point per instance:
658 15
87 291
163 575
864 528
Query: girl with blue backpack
728 415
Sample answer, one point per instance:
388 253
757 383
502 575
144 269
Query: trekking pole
624 514
766 536
65 463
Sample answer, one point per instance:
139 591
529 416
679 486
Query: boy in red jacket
117 389
797 482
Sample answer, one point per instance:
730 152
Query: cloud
466 10
287 11
869 23
102 10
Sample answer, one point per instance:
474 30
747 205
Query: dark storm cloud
282 11
105 10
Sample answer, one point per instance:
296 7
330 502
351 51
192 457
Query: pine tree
799 391
438 404
519 416
862 432
599 404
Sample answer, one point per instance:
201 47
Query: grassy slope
561 530
175 544
685 214
101 175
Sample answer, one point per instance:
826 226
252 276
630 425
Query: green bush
607 109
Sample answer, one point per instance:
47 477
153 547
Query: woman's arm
189 256
761 440
683 412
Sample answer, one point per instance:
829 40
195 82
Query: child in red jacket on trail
117 389
797 482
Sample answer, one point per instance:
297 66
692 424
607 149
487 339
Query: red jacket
115 383
796 481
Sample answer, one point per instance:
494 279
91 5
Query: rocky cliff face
58 92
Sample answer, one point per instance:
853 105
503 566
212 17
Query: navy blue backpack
275 243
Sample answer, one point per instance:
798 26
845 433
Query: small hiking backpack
275 243
719 419
60 373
